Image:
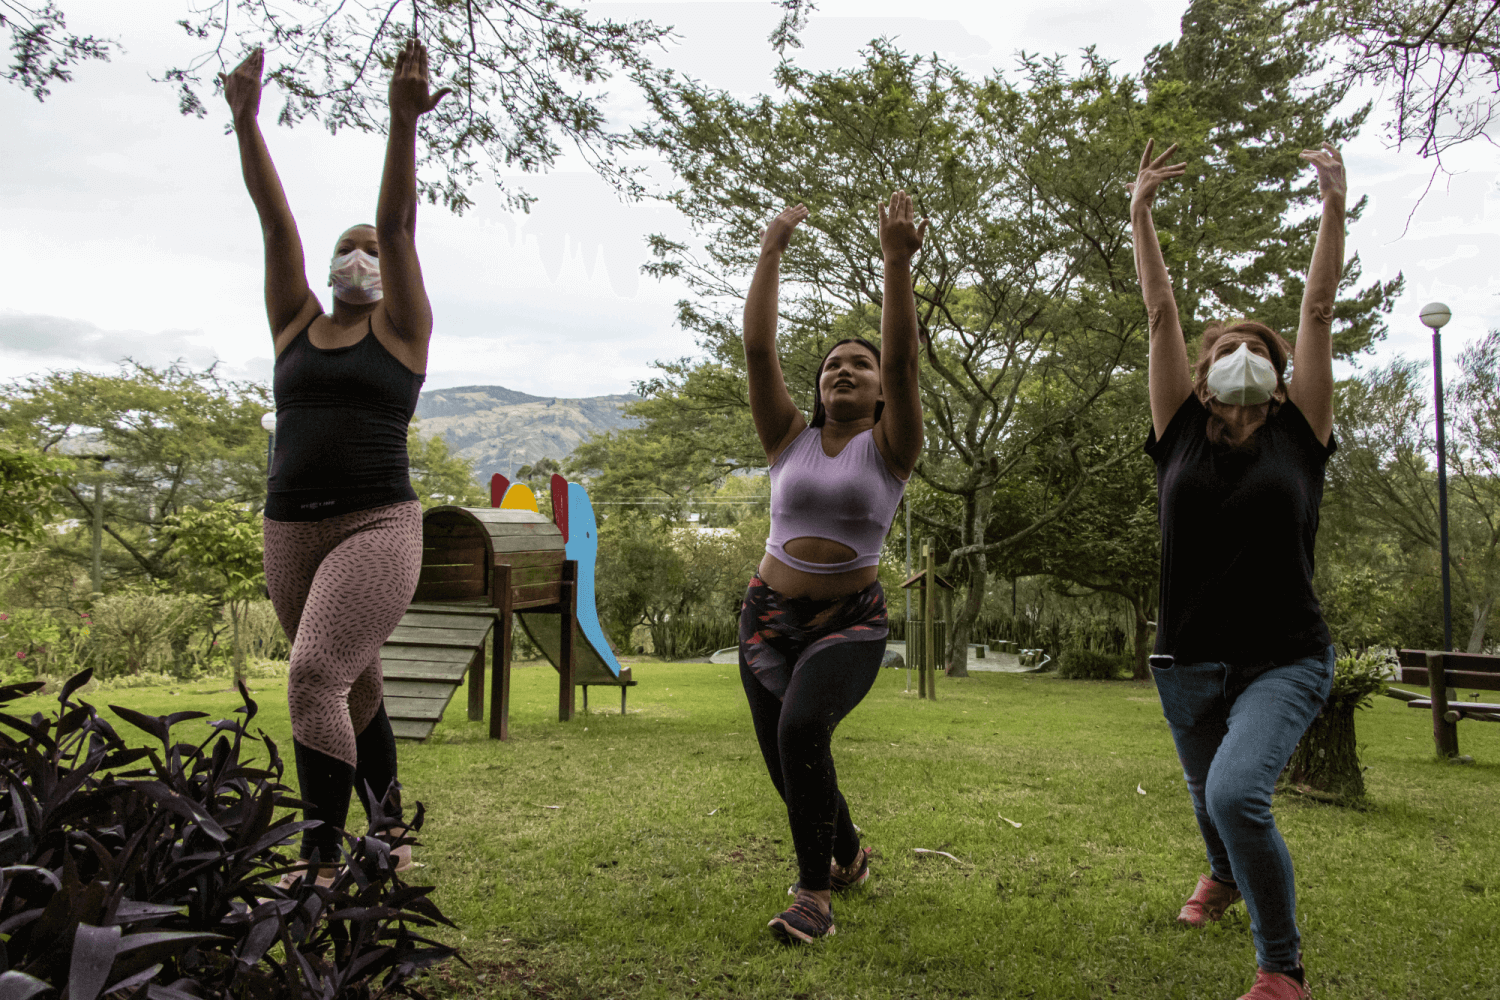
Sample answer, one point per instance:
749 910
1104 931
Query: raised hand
899 233
1331 179
1150 175
242 86
778 235
409 97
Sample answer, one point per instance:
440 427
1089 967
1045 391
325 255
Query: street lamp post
268 422
1435 315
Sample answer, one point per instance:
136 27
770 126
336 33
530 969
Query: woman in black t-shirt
1243 658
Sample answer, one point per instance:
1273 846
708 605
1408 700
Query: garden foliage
150 872
1091 665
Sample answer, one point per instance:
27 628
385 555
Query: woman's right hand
778 235
242 86
1151 174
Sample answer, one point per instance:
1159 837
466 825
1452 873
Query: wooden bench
1441 671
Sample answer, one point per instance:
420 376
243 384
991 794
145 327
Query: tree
526 76
1384 469
175 437
1111 544
43 50
224 540
1440 58
1026 288
440 477
28 482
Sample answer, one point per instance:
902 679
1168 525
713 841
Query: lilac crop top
849 498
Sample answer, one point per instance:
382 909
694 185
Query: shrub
118 879
1092 665
261 632
135 631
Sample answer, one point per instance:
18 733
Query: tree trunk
238 650
1142 669
1326 760
1481 611
964 616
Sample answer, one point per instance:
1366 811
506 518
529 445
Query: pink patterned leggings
339 587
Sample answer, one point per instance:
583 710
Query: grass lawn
641 856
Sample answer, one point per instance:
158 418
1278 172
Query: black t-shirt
1237 534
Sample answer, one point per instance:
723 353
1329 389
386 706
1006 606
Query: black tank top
1238 529
341 421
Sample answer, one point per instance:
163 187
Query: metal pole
1435 315
1442 464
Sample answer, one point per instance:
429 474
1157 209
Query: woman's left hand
409 97
899 234
1331 179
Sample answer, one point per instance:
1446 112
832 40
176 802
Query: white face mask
355 277
1242 378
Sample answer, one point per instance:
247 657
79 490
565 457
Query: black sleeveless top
1237 534
341 421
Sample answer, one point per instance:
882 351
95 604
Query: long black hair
820 415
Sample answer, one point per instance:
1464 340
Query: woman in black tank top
343 529
1244 661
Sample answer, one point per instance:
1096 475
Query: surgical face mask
356 277
1242 378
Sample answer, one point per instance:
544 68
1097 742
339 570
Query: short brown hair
1276 346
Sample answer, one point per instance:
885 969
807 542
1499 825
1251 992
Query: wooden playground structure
483 570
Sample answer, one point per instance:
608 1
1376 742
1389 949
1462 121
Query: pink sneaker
1207 903
1276 986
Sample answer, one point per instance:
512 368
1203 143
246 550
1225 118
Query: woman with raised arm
1243 659
813 625
343 528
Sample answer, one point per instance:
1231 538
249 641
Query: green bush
1092 665
136 632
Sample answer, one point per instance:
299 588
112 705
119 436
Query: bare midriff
795 583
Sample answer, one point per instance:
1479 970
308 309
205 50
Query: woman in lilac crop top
813 624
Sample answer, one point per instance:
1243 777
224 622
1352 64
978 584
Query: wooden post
569 614
500 657
1444 733
929 610
476 683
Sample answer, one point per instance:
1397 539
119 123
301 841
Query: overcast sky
125 229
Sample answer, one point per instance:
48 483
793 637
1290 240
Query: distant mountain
501 429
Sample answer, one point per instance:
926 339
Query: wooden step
406 636
408 729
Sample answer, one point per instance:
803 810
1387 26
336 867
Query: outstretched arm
1311 387
288 298
899 433
777 419
406 304
1169 377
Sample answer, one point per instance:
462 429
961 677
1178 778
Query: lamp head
268 421
1435 315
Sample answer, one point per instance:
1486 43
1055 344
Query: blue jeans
1234 735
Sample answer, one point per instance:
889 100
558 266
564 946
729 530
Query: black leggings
796 739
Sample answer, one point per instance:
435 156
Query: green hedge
1090 665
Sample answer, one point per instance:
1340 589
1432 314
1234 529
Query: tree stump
1325 765
1327 759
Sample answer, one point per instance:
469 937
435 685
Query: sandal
802 922
842 879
